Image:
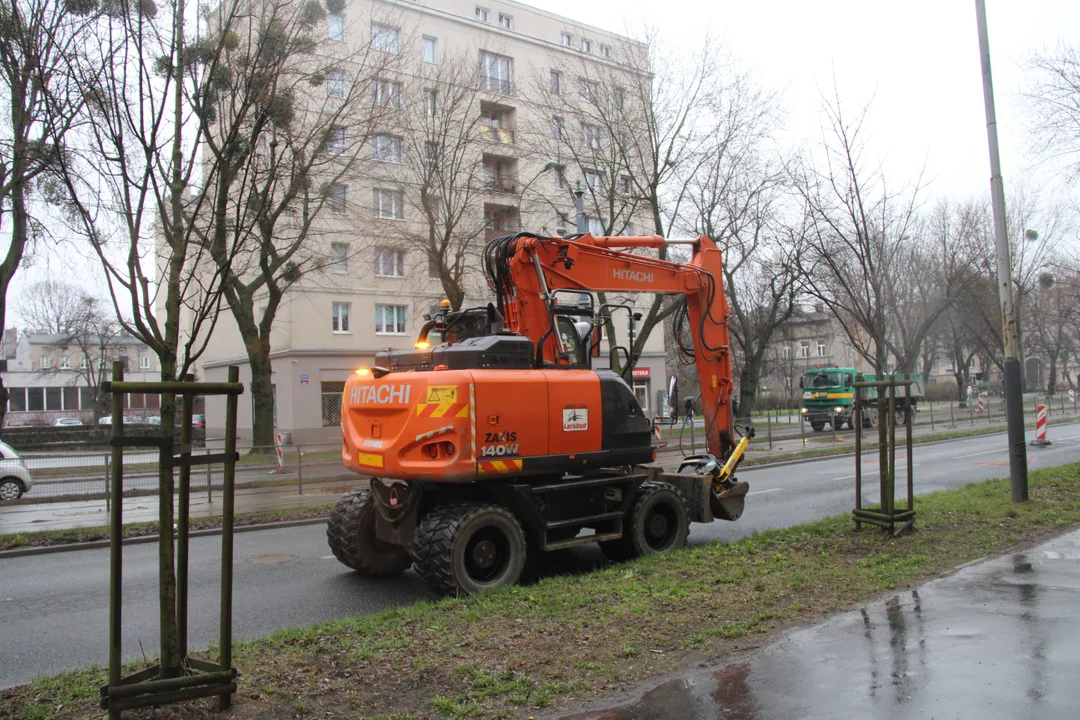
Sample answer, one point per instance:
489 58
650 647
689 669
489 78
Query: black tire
658 523
351 536
838 424
10 489
871 420
469 548
818 425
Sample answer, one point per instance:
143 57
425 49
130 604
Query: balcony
494 84
497 134
501 185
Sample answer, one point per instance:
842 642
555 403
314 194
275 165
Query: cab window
570 340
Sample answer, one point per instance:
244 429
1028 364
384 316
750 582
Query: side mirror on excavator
594 342
672 396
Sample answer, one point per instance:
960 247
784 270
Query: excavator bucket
728 505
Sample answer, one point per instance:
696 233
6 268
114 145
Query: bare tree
35 38
1055 101
287 129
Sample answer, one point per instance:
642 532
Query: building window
46 362
629 229
335 84
339 317
431 154
339 257
54 398
560 177
820 349
433 266
386 148
785 352
389 204
386 93
507 21
593 135
586 45
556 82
65 364
589 90
495 73
566 39
337 141
605 51
337 197
389 262
560 224
84 364
626 184
331 393
804 348
431 102
620 98
428 47
390 319
335 26
641 392
16 399
595 180
144 362
557 128
481 14
385 38
596 226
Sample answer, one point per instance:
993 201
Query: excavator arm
526 270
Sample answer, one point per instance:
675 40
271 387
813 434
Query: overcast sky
917 61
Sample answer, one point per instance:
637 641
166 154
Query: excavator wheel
468 548
351 536
658 523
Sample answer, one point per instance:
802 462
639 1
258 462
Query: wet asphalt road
54 608
995 640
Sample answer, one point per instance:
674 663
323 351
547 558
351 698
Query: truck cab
828 396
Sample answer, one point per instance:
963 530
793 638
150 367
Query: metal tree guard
887 517
176 677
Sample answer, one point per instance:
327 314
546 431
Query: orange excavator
494 437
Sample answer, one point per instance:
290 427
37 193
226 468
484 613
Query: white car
64 422
14 477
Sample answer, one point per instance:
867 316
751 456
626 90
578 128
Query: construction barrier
1072 396
982 401
280 455
1040 428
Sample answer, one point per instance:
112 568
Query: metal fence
85 475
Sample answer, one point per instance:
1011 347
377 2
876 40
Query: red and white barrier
1040 428
280 455
982 401
1072 396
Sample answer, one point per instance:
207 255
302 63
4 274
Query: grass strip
45 538
507 653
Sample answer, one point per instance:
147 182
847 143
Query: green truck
828 396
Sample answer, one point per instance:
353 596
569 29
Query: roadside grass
46 538
511 652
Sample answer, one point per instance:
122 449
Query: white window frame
399 320
339 318
338 204
586 45
46 362
644 388
566 39
429 43
482 14
386 148
595 180
556 82
339 258
558 128
821 349
592 136
560 177
594 225
389 262
338 141
605 51
785 351
386 93
144 362
335 84
388 198
589 90
385 38
804 348
65 364
431 102
335 27
84 364
506 21
502 81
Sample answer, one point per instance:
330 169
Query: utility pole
579 205
1014 398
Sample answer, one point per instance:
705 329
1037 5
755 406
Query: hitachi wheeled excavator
494 437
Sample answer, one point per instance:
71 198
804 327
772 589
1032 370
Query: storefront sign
641 373
303 379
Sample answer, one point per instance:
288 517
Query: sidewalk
93 513
995 640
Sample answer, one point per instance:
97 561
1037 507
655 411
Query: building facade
533 70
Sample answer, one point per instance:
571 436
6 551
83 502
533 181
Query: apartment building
49 376
529 71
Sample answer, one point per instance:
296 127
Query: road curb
142 539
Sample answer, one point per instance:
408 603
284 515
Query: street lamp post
579 205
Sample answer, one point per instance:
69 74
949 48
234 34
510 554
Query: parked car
15 479
198 420
153 420
16 423
107 420
64 422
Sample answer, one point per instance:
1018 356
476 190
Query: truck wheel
838 423
466 549
658 523
818 425
870 420
901 418
350 533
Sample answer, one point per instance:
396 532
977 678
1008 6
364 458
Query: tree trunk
748 383
262 395
1052 381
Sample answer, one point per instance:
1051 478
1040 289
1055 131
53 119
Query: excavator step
581 540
